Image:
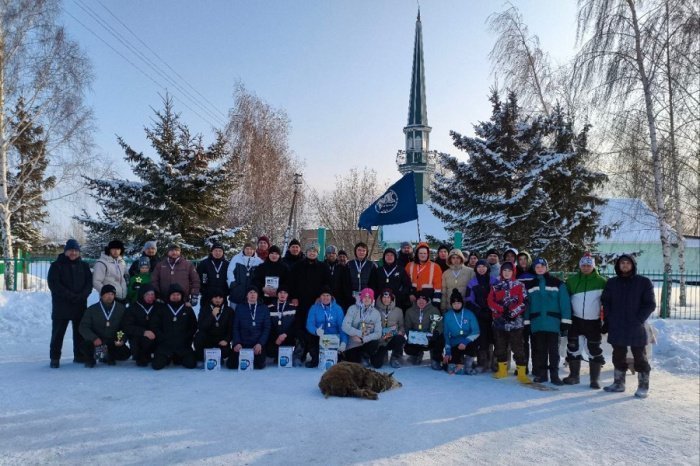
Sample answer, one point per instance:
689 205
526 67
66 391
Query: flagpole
374 242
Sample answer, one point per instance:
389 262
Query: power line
132 49
159 58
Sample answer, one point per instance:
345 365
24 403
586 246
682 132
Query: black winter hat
252 288
145 289
456 297
387 292
216 245
426 293
492 251
507 266
108 289
326 289
115 244
284 288
342 253
71 244
443 246
294 242
274 249
389 251
217 292
176 288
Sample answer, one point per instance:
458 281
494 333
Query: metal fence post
664 297
321 244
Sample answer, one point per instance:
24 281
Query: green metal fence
30 274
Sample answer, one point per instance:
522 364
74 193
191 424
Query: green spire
417 111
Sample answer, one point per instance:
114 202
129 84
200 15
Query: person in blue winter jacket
461 330
251 329
325 318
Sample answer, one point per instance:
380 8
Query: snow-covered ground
131 415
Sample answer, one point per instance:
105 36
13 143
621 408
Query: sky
340 69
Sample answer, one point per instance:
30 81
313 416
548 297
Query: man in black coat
215 326
628 300
293 255
138 325
174 324
70 282
391 275
212 273
340 279
308 278
361 269
269 273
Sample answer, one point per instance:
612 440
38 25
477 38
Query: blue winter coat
454 335
549 304
321 316
247 334
627 303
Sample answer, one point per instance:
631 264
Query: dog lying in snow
352 379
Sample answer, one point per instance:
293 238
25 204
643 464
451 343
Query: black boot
643 388
618 384
554 376
595 374
55 363
575 369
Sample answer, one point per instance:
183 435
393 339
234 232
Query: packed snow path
131 415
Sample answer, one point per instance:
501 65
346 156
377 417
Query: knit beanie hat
587 259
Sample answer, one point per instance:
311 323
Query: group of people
468 313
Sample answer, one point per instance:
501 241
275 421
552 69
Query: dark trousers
486 336
203 341
310 345
458 354
114 353
272 348
435 346
184 358
545 354
526 344
142 348
258 360
641 363
367 351
589 329
58 332
395 345
514 338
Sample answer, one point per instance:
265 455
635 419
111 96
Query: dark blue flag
396 205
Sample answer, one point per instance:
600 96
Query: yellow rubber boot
502 370
522 376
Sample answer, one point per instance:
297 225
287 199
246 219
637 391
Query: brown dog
352 379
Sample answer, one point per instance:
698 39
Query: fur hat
114 244
456 252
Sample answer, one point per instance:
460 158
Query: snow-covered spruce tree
492 195
567 223
27 180
180 196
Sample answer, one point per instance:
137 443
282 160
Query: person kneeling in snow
393 331
507 303
461 332
174 324
325 317
214 325
101 326
425 319
251 329
138 325
363 326
282 321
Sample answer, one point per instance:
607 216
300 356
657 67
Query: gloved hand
319 331
342 346
564 329
604 327
194 300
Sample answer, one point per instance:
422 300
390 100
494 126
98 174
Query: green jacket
94 324
549 304
136 282
585 292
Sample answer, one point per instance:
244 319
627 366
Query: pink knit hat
367 292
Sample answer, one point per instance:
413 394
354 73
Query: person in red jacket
507 303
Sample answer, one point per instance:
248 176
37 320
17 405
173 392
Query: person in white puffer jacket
110 269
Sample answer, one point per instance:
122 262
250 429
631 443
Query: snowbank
677 347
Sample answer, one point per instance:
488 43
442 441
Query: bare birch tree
40 64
